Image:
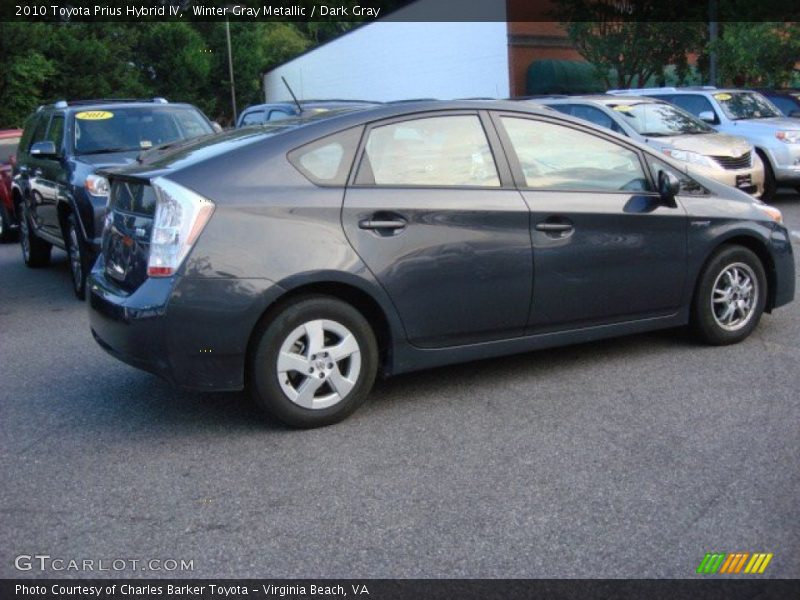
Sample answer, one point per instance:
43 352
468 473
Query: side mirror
668 187
707 116
45 149
216 127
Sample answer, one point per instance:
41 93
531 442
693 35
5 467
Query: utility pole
230 67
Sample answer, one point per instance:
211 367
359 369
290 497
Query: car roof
600 99
87 105
310 104
10 133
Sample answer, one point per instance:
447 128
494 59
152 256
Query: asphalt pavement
631 457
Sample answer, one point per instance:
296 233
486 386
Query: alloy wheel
734 296
318 364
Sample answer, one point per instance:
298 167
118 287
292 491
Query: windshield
137 128
660 119
746 105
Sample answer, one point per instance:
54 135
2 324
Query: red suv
9 139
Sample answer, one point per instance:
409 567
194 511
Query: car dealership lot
630 457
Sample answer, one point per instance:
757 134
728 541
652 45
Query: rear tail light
181 215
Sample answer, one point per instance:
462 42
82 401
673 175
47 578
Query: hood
766 125
708 144
108 159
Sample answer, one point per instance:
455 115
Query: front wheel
770 184
730 297
314 363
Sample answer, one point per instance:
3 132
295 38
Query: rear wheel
314 363
770 185
730 297
35 251
79 263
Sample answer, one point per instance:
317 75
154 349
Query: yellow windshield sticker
622 108
94 115
145 144
722 97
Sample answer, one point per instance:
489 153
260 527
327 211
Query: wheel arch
355 295
759 248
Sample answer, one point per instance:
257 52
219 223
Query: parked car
787 100
746 114
60 199
265 113
9 140
728 159
301 261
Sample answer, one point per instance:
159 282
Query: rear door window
434 151
8 148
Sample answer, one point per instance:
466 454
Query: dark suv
301 260
60 200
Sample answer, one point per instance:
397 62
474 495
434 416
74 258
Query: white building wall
399 60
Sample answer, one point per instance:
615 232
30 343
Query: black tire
271 393
6 233
708 316
770 185
79 257
35 251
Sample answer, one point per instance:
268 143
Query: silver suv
746 114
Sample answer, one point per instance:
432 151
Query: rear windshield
135 198
746 105
8 148
658 120
128 129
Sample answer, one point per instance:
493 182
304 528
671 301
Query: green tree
174 61
631 43
750 54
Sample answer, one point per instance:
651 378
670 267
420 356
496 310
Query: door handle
392 224
554 227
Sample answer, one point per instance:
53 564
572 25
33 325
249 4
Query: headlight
791 136
689 157
772 212
97 186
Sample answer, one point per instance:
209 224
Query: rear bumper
200 345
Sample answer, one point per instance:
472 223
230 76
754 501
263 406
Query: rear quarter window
327 161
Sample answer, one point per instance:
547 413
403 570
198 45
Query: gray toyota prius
299 261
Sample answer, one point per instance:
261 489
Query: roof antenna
296 101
